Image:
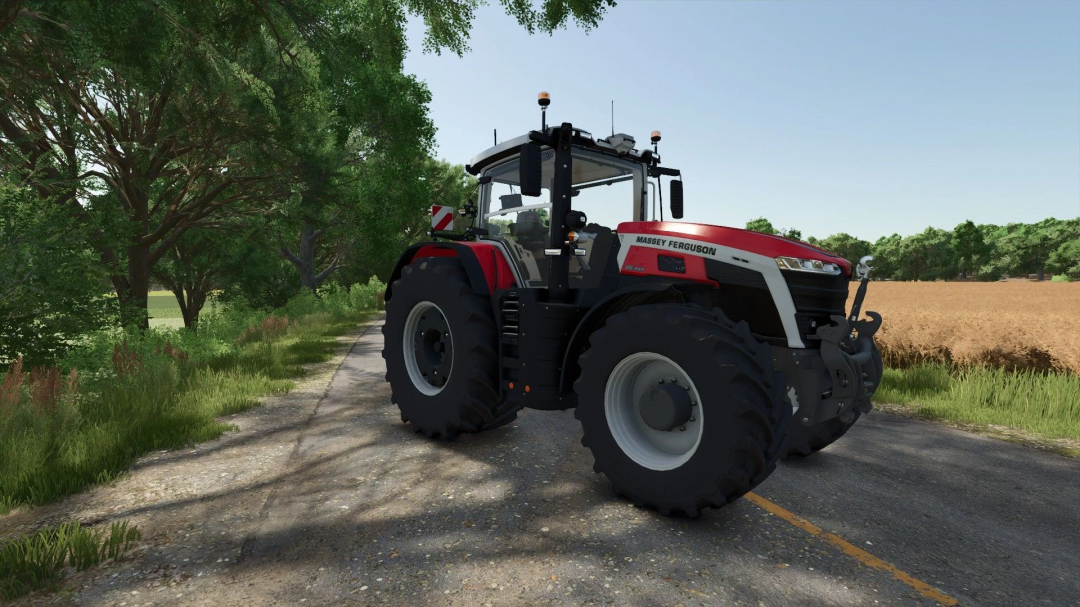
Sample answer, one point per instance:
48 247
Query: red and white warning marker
441 217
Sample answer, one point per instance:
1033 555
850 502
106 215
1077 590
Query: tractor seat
529 230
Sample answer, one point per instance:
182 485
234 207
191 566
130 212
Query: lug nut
674 380
682 429
660 381
692 419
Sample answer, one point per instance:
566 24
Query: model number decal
677 245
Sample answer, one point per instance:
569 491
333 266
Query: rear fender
485 264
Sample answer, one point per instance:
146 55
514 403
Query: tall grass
37 561
1047 404
124 393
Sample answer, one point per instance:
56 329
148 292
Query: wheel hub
653 411
429 348
665 407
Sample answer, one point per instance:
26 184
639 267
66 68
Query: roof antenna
495 134
612 117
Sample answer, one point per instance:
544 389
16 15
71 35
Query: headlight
807 265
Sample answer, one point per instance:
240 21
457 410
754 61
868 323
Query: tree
161 115
887 255
184 111
1025 248
193 268
969 247
396 210
927 256
761 225
1066 257
846 246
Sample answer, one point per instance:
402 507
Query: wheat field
1011 325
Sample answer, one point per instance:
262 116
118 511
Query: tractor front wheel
681 408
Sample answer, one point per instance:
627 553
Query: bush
51 281
1061 278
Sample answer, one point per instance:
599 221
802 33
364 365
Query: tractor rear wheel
441 349
681 408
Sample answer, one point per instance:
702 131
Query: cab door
522 224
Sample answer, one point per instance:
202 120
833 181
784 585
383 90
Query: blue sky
870 117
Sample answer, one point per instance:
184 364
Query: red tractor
695 355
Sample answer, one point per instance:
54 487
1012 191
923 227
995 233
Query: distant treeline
980 251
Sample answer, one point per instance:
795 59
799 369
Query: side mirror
676 199
531 170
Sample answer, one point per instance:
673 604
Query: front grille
816 297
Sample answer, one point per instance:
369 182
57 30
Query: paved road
364 511
517 515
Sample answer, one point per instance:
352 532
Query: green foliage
761 225
37 561
140 390
847 246
1065 260
51 284
1042 403
927 256
766 227
969 247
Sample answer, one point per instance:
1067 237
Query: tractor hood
733 238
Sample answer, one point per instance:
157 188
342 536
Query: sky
865 117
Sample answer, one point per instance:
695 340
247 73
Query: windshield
607 189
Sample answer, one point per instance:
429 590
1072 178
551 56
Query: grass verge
1036 408
62 431
38 561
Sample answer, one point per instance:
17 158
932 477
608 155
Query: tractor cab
591 185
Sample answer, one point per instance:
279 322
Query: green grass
1045 404
37 561
90 434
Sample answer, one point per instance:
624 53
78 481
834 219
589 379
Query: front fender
594 318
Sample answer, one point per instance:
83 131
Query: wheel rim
428 347
636 377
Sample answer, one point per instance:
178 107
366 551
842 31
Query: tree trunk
9 12
1040 274
308 239
304 259
191 297
133 290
